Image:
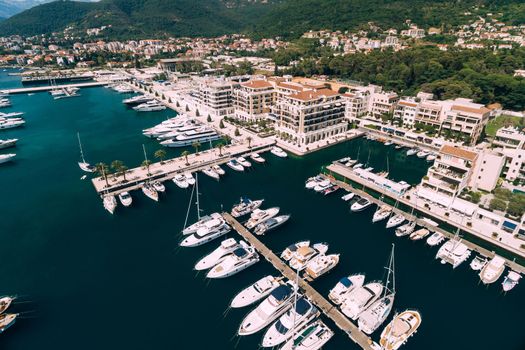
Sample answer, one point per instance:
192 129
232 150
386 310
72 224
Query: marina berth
125 198
181 181
359 299
492 270
259 216
255 292
217 255
478 263
235 165
320 265
289 252
402 327
8 143
312 337
257 158
150 191
360 205
245 206
345 286
277 303
6 321
210 230
211 173
419 234
240 259
510 281
270 224
381 213
110 203
435 239
5 302
395 220
277 151
304 254
281 330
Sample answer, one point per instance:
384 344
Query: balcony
447 173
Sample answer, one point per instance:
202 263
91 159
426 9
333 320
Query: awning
509 225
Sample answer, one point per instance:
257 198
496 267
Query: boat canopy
302 306
345 282
282 292
240 252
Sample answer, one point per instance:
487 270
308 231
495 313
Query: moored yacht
10 124
158 186
150 191
181 181
125 198
320 265
304 254
245 206
5 302
240 259
7 143
259 216
150 106
322 185
435 239
137 100
217 255
211 173
211 230
345 286
256 157
406 229
277 151
276 304
110 203
412 151
190 137
270 224
312 337
217 168
242 161
402 327
312 182
348 196
281 330
4 158
235 165
360 299
492 270
395 220
6 321
381 213
453 252
419 234
360 205
511 280
189 178
255 292
201 223
290 251
478 262
422 154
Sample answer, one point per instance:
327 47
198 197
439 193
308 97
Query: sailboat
453 251
85 166
378 312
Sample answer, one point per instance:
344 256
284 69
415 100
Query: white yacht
201 223
290 251
281 330
511 280
360 299
435 239
395 220
419 234
180 181
412 151
217 255
320 265
151 106
422 154
7 143
493 270
360 205
397 332
381 213
211 173
242 161
240 259
125 198
110 203
255 292
304 254
10 124
190 137
431 157
277 151
150 191
6 321
406 229
478 262
322 185
312 337
245 206
235 165
348 196
453 252
189 178
11 115
217 168
5 302
276 304
345 286
212 229
312 182
137 100
158 186
257 158
259 216
270 224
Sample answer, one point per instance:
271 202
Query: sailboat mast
390 270
144 150
198 203
80 145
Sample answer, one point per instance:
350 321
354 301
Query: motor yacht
399 146
180 180
345 286
453 252
240 259
235 165
320 265
381 213
312 182
212 229
277 303
211 173
151 106
150 191
435 239
245 206
158 186
125 198
422 154
4 158
259 216
303 255
357 166
277 151
257 158
190 137
330 189
217 168
255 292
478 263
312 337
298 316
6 321
110 203
348 196
270 224
406 229
322 185
290 251
201 223
395 220
492 270
359 299
217 255
397 332
419 234
10 124
431 157
7 143
11 115
189 178
242 161
511 280
137 100
5 302
360 205
412 151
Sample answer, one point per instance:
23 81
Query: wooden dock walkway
315 297
32 89
485 252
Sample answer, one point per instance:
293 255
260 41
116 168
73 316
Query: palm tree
161 154
196 145
249 139
185 154
227 139
117 166
220 145
102 169
146 163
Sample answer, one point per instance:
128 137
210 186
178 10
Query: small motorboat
511 280
478 263
257 158
277 151
435 239
125 198
323 185
189 178
405 229
180 181
211 173
242 161
348 196
419 234
360 205
150 192
235 165
270 224
330 189
492 270
158 186
412 151
245 206
431 157
422 154
217 168
110 203
389 143
397 332
6 321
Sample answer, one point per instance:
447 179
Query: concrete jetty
317 299
26 90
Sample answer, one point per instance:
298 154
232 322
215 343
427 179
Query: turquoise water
89 280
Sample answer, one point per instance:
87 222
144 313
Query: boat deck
315 297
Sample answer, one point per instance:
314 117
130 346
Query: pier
347 174
33 89
314 296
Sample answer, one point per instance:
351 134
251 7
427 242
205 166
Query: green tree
196 145
249 139
185 154
209 120
497 204
102 169
220 146
160 154
119 168
221 124
237 132
146 163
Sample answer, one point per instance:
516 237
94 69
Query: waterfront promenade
313 295
33 89
348 174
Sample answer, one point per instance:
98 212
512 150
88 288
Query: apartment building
253 100
406 111
465 117
382 103
215 97
356 103
487 170
509 138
